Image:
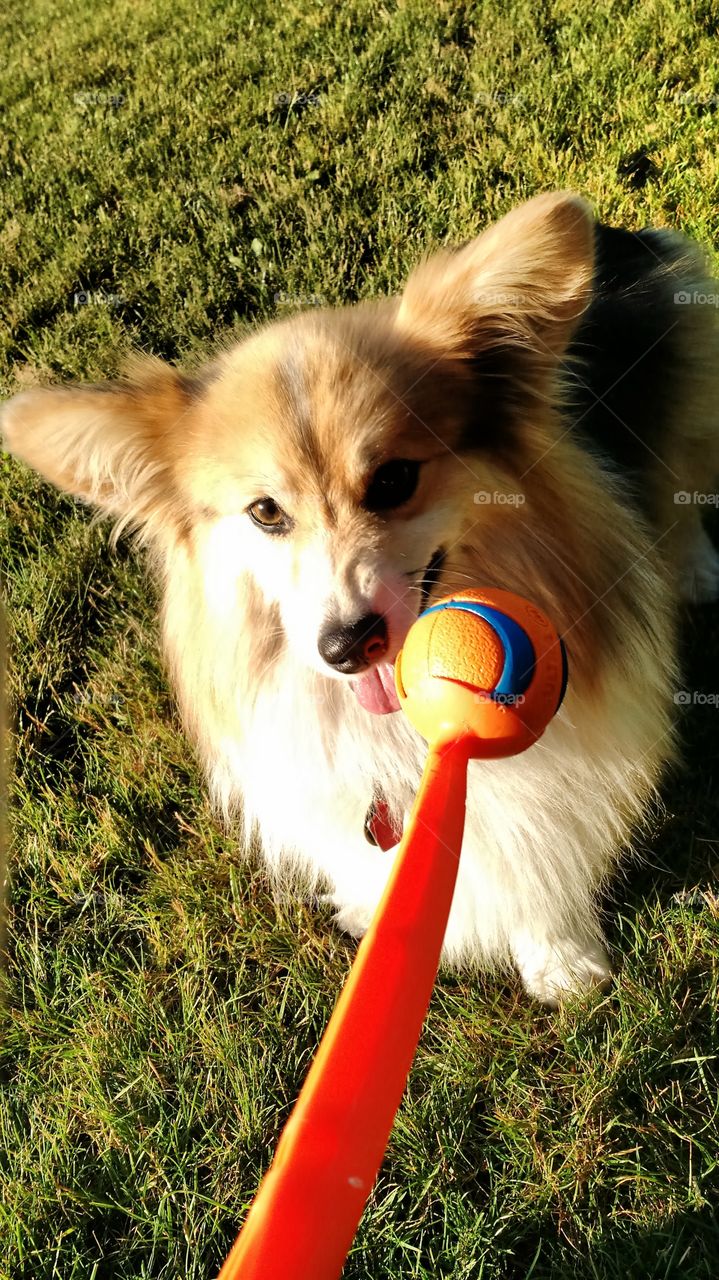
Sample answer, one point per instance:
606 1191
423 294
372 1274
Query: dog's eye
392 484
269 515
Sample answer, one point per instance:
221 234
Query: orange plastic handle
306 1212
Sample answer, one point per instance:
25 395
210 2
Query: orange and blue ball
482 667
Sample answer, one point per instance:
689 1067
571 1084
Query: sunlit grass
193 170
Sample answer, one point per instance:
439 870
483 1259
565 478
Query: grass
195 170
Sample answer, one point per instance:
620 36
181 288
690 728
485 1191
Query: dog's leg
557 967
358 896
359 887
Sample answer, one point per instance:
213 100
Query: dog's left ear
524 282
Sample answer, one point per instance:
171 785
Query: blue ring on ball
519 655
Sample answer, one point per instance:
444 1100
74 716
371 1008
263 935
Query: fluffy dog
536 411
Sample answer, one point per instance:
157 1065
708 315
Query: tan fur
305 411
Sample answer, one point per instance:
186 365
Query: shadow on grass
683 1247
686 1246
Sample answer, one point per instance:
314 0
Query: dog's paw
353 920
566 967
699 581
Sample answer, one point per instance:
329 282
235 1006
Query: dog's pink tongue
375 691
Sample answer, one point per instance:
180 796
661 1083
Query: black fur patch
623 363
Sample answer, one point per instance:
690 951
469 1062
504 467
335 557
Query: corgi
537 412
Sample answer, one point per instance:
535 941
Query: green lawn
193 170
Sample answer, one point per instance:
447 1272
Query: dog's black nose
352 648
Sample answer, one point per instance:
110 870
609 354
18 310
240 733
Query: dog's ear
110 444
524 282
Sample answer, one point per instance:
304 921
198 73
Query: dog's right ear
110 444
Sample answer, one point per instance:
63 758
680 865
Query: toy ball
485 668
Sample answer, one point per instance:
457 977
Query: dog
536 411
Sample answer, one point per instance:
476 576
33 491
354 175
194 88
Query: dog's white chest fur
541 829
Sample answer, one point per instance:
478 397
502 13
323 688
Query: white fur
543 830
